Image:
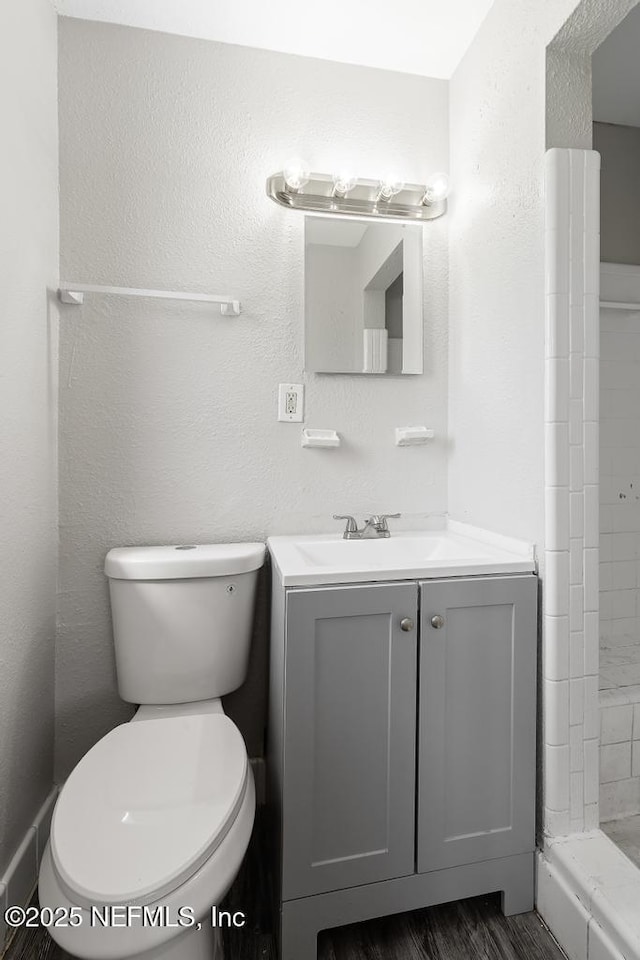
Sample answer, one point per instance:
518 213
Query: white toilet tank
182 619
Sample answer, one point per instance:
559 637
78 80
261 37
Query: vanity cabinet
477 719
349 739
401 753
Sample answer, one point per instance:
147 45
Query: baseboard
21 876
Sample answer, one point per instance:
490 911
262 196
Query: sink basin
308 560
395 550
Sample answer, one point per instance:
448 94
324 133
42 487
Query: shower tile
624 546
556 648
556 706
591 390
576 468
556 777
591 580
557 391
591 816
557 518
619 799
576 309
624 676
591 648
624 574
576 655
632 692
576 514
591 448
591 771
576 749
615 762
557 577
556 454
623 603
557 329
576 570
576 701
613 697
562 911
636 721
616 723
575 422
591 517
576 796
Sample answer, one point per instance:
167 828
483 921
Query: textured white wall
28 338
168 413
497 267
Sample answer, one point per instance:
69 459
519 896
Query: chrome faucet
375 527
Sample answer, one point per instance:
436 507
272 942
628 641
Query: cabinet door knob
437 622
407 624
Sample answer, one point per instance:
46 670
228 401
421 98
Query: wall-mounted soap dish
320 438
413 436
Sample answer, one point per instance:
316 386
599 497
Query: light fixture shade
437 188
296 173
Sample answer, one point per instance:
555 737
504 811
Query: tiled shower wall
620 545
570 649
620 487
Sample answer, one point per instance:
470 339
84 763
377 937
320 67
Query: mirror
363 296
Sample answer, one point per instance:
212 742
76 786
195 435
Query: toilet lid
146 807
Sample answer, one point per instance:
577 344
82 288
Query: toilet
151 827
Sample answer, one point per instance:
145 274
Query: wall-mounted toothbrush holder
413 436
320 438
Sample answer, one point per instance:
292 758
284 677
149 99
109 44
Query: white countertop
459 550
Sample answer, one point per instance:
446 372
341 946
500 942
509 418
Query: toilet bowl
157 815
152 825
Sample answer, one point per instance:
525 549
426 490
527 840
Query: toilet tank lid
183 561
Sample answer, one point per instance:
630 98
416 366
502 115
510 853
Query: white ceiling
616 74
427 37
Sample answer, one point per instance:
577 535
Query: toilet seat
146 807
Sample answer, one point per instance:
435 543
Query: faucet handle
352 526
379 520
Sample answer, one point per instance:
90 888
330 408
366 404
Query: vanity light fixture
342 193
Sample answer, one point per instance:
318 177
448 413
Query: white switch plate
290 402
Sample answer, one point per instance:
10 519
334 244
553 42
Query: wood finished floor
465 930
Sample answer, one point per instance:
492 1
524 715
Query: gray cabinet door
349 749
477 728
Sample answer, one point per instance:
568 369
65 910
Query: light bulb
296 173
437 188
343 182
389 187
